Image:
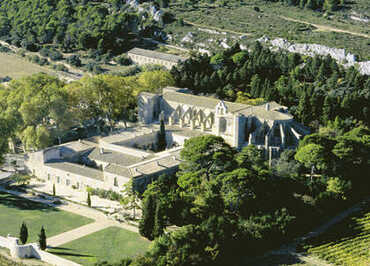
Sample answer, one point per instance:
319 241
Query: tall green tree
130 199
42 239
146 224
159 220
88 199
162 143
205 157
23 233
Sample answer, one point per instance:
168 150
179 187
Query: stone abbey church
267 126
131 154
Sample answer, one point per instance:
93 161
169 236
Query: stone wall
109 181
51 175
32 251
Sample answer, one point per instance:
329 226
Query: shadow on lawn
13 201
66 253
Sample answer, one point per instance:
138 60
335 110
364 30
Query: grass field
15 210
110 244
16 67
347 243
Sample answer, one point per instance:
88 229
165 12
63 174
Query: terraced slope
347 243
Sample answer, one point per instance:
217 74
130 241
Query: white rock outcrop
188 38
341 55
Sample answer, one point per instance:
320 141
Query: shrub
123 60
104 194
74 60
21 52
44 51
55 55
4 49
60 67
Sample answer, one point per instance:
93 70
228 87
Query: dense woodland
316 90
108 25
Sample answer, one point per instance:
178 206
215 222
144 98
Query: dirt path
326 28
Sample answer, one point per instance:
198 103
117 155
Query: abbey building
109 162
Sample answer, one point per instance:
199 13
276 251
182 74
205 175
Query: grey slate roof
78 170
114 157
201 101
117 170
210 103
156 165
156 55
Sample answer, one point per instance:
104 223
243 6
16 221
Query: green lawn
17 67
14 210
110 244
346 243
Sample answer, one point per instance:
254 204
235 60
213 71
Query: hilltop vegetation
252 19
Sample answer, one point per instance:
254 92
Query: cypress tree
88 199
159 220
255 86
162 137
146 224
53 189
23 233
304 109
42 239
326 110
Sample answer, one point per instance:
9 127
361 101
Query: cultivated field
14 210
16 67
111 244
347 243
